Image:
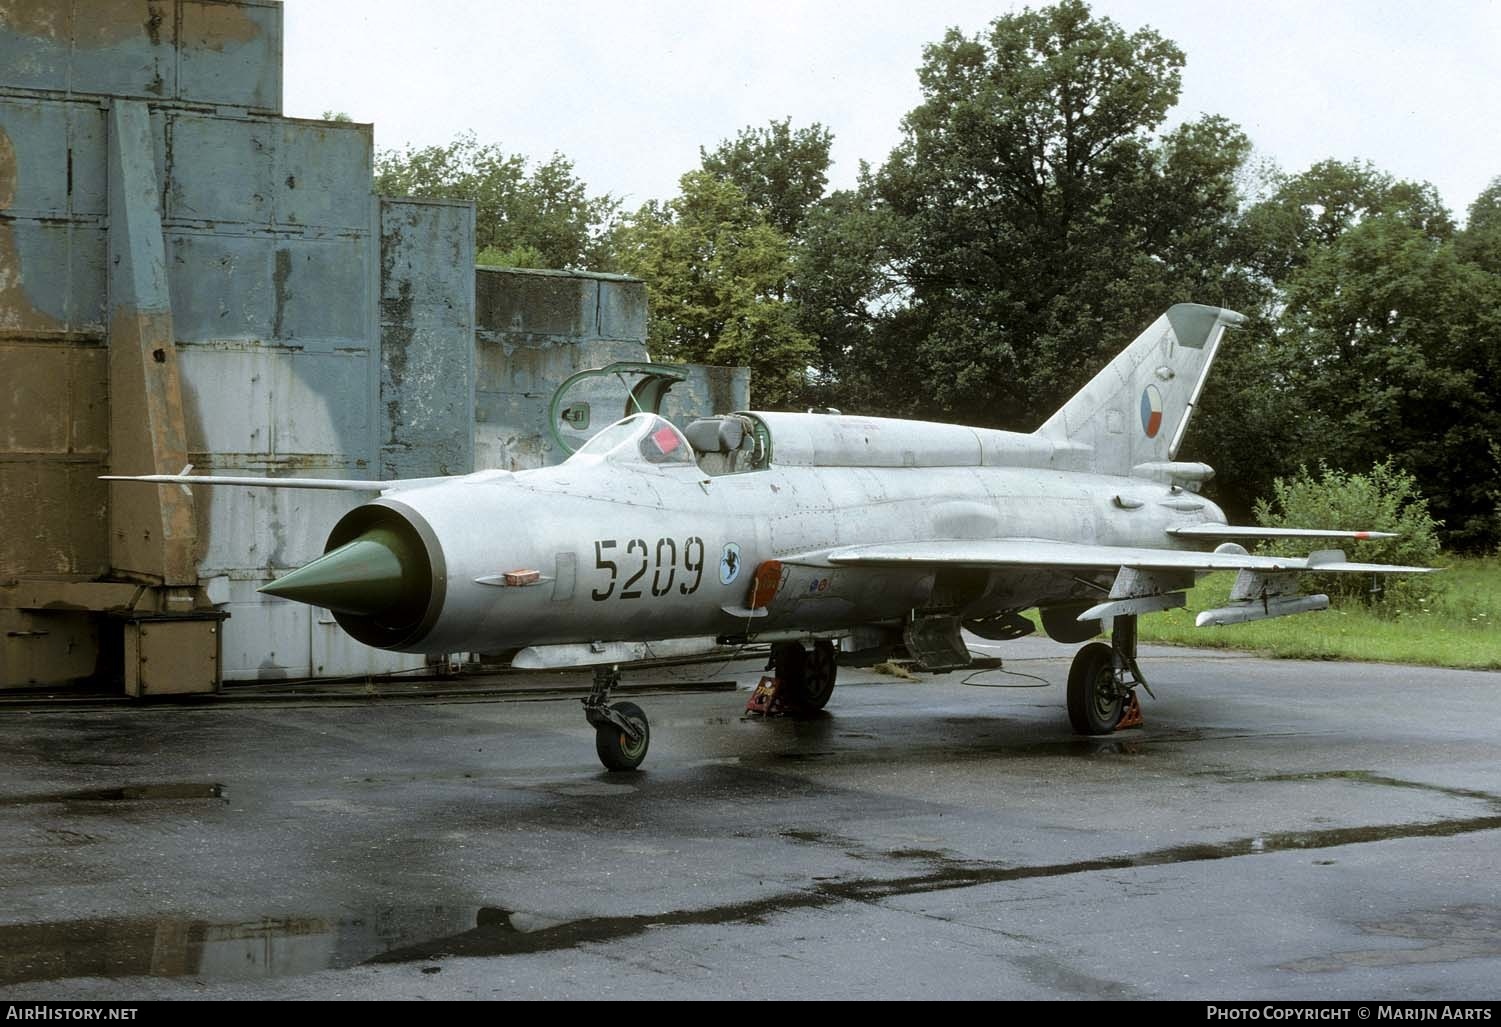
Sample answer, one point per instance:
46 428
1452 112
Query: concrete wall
534 329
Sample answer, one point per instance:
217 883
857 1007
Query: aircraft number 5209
639 556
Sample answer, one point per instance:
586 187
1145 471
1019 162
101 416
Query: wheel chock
763 700
1131 715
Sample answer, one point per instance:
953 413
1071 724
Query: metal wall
187 277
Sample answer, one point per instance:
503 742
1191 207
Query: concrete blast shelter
188 277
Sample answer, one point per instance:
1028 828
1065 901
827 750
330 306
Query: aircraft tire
614 746
1094 705
818 681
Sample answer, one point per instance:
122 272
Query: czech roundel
1151 411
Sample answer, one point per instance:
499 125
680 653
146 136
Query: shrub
1385 499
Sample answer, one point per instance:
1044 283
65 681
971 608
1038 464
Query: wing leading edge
330 484
1145 580
1046 553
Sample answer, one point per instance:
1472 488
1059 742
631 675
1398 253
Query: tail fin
1136 410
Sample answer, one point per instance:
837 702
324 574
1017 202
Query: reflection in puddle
251 949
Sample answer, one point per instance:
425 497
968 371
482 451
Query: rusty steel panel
269 171
53 517
54 401
194 51
149 535
42 649
427 338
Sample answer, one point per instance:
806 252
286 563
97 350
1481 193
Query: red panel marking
666 439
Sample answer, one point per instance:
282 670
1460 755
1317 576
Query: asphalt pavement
1277 829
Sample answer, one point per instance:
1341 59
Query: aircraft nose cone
367 576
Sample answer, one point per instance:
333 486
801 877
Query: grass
1460 626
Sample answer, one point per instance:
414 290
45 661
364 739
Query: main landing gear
805 680
621 733
1102 683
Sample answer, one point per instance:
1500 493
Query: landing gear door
586 401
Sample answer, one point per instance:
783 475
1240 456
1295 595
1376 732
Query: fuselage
626 550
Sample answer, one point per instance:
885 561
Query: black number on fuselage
693 564
626 592
671 563
601 563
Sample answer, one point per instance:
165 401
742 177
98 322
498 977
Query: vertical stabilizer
1136 410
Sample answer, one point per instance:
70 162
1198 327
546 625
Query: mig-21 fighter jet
823 535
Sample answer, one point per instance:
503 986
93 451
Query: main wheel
615 748
821 668
790 661
1095 701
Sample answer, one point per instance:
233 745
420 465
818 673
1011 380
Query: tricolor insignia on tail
1151 411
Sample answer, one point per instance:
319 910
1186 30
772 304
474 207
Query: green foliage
1389 345
1317 207
1454 628
716 273
1480 242
544 215
782 171
337 116
1034 220
1386 499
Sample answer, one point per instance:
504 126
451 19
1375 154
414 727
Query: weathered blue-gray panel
308 290
322 176
60 156
227 53
259 407
622 308
231 55
61 270
221 285
427 338
221 170
267 171
518 304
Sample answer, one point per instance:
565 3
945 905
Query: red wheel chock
1131 715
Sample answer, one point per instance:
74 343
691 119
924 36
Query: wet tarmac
1277 829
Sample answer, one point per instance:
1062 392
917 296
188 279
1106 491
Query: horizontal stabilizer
1212 531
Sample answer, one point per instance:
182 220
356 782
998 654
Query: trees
524 216
781 170
1041 223
716 273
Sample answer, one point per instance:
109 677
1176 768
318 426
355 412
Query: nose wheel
621 732
1102 683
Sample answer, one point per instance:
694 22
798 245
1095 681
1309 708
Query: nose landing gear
621 732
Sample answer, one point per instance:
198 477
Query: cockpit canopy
640 438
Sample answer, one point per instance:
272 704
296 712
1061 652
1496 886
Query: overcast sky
630 91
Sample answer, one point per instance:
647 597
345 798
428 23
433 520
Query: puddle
279 947
243 950
1461 932
127 793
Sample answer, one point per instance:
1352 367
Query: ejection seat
724 445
